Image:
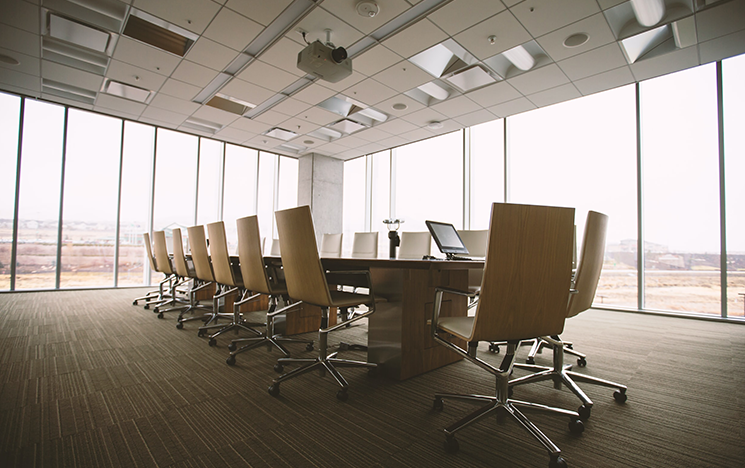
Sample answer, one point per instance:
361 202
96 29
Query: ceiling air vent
133 93
158 33
229 104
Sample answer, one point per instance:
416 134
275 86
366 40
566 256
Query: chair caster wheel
278 368
569 346
530 360
576 426
581 362
451 444
274 389
309 347
584 412
620 396
438 404
342 395
232 347
230 360
213 342
200 333
147 306
134 302
179 326
557 462
160 315
493 348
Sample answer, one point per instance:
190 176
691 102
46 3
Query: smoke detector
369 9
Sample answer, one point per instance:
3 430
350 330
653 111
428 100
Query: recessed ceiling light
576 40
9 60
435 125
126 91
400 106
308 142
280 133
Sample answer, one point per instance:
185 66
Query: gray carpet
87 379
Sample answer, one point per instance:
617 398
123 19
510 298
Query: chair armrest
439 291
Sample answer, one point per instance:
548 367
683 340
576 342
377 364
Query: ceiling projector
325 62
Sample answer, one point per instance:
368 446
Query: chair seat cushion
458 326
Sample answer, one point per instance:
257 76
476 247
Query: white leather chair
331 246
365 245
414 245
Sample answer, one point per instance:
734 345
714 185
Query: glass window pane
582 154
381 199
681 191
354 201
89 222
267 166
10 119
137 187
239 199
287 189
210 180
38 215
487 171
175 180
734 149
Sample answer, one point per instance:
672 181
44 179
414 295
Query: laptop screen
446 237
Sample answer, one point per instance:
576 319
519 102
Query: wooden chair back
304 274
161 253
331 246
149 249
590 263
475 241
365 245
219 254
253 270
415 245
527 273
179 259
199 255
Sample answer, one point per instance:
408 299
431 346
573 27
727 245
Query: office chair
527 279
229 283
585 284
203 269
163 265
158 294
306 282
365 245
259 279
415 245
331 246
183 271
271 247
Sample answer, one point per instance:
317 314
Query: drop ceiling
77 52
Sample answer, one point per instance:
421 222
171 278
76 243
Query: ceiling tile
393 142
127 115
456 106
164 115
596 27
233 30
267 76
192 15
318 116
396 126
317 21
283 54
247 92
291 107
64 74
351 141
604 81
259 10
403 76
537 80
234 135
28 64
415 38
513 107
508 31
375 59
447 127
108 101
251 126
461 14
345 9
144 56
372 134
555 95
664 64
722 47
370 92
22 15
424 116
77 104
13 79
173 104
314 94
340 86
134 76
593 62
211 54
493 94
475 118
720 20
179 89
20 40
299 125
193 73
387 105
416 135
264 142
215 115
543 16
605 4
271 117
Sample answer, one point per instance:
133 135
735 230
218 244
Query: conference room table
399 338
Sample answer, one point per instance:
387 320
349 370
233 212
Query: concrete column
320 185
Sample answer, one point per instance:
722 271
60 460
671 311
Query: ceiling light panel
471 78
347 126
158 33
280 134
133 93
78 33
444 58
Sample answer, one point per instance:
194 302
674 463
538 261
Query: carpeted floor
88 380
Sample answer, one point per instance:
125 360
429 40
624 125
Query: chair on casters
527 278
183 271
585 284
229 283
155 295
331 246
365 245
204 273
306 282
415 245
163 264
257 280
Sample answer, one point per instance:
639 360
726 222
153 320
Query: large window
210 180
89 222
355 175
582 153
268 166
39 198
175 180
239 195
680 164
10 107
487 171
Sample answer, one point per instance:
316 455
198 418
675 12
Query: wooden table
399 338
